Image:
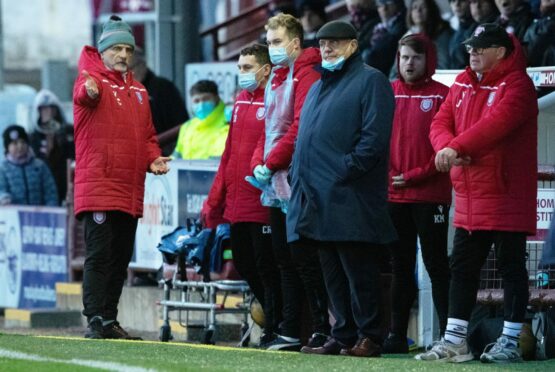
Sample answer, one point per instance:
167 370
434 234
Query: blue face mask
203 109
335 65
228 113
248 80
278 55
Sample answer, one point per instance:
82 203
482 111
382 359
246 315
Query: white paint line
109 366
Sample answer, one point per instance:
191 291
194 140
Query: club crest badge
426 104
491 98
99 217
479 30
260 113
139 97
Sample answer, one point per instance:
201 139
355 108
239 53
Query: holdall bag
543 327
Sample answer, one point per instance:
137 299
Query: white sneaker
501 351
445 351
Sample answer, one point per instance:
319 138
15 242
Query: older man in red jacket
485 134
115 146
419 196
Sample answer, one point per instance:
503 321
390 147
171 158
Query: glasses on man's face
478 51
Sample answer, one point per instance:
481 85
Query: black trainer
95 329
266 339
395 344
283 344
317 340
115 331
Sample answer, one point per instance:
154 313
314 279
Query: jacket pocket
487 176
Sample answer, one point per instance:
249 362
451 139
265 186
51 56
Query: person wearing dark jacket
539 38
339 188
386 35
115 146
515 17
485 135
292 76
52 138
166 103
364 16
233 200
458 57
419 195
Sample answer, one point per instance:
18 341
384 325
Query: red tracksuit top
231 198
115 141
411 152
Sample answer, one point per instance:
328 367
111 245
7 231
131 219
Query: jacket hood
516 61
91 61
46 97
431 59
309 57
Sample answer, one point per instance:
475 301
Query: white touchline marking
109 366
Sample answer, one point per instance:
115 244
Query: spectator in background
312 16
540 37
424 17
457 53
292 76
515 17
339 189
419 195
52 138
485 135
167 105
24 179
203 136
116 146
364 16
483 11
233 200
386 35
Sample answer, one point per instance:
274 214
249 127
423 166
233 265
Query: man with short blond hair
292 76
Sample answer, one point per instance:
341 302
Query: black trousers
352 276
430 223
109 240
253 258
300 271
470 251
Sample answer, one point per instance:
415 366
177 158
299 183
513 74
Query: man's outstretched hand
90 85
160 165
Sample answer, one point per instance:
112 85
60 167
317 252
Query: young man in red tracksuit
290 80
419 195
236 201
485 135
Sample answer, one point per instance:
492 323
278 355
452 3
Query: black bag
543 326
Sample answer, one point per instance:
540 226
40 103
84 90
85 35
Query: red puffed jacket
115 141
231 198
304 75
494 121
411 153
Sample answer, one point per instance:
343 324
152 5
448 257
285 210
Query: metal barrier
541 280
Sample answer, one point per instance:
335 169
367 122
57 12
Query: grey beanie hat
115 31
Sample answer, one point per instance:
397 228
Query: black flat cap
487 35
337 30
